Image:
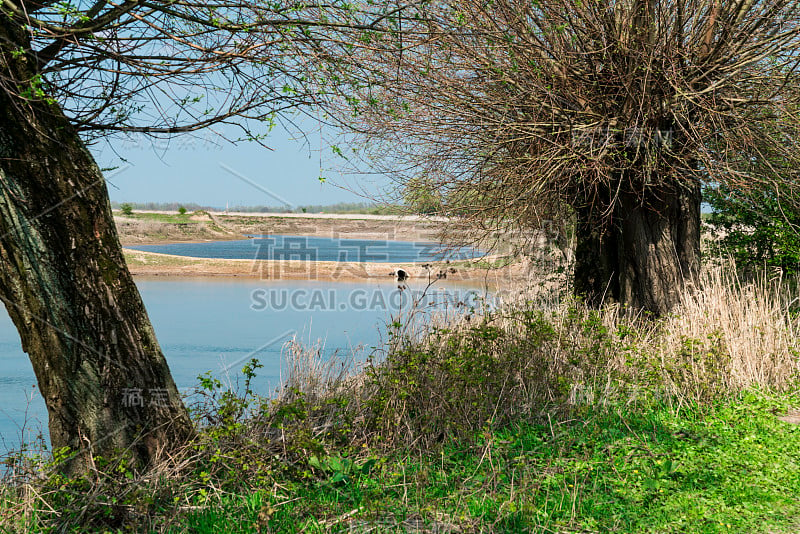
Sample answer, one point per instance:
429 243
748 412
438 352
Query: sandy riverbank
153 264
156 227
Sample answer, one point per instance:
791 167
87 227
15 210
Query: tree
756 229
760 226
421 198
610 113
72 72
126 209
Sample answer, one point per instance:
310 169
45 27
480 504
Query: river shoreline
144 227
204 227
143 263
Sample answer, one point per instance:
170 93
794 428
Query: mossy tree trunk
65 284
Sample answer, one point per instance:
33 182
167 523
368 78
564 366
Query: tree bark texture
65 284
645 255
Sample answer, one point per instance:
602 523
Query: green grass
173 218
729 468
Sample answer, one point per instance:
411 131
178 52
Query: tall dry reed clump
756 325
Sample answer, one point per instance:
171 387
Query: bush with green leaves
500 370
759 228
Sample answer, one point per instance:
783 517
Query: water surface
219 324
285 247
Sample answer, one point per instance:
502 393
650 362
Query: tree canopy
611 112
166 67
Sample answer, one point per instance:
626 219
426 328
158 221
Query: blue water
218 325
284 247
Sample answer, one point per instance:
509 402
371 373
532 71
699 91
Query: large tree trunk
64 282
596 258
660 251
645 256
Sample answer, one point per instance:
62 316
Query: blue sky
208 171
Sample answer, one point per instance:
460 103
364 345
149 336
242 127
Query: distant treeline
341 207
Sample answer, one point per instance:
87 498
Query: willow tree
72 72
612 113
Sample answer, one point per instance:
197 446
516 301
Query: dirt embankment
154 228
141 230
400 229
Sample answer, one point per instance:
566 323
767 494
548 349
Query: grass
170 218
730 467
541 416
158 227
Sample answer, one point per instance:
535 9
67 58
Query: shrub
524 361
126 209
461 380
758 228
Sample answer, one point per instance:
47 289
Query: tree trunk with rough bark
65 284
596 275
645 256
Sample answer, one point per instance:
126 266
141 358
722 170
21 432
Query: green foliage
486 375
181 210
422 197
725 468
226 409
758 228
339 469
36 90
126 209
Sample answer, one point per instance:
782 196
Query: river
217 325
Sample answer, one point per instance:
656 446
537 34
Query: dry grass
538 353
728 335
753 320
306 372
139 231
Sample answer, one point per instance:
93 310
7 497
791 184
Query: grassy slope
733 468
172 218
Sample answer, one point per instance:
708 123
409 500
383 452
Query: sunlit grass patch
171 218
730 467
